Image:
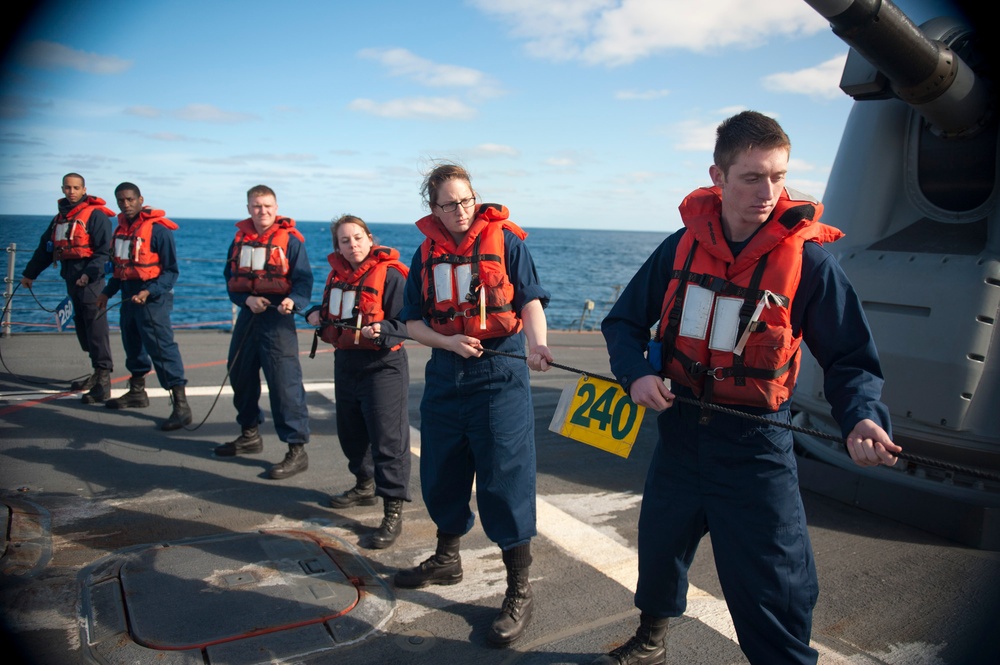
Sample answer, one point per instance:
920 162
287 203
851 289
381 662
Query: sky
572 113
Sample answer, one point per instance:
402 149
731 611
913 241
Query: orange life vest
132 248
466 289
259 263
726 322
351 293
71 232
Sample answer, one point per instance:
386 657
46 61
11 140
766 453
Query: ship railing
194 307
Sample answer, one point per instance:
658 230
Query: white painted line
191 391
588 545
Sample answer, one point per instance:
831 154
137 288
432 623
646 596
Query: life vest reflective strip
71 232
726 321
355 297
259 263
132 248
466 289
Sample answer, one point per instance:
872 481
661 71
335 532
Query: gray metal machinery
914 187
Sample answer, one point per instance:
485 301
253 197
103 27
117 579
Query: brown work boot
296 461
391 527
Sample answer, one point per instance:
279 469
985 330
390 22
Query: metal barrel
923 72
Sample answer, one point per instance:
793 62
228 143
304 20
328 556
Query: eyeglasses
453 206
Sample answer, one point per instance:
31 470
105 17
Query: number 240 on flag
600 414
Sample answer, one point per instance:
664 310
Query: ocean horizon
575 265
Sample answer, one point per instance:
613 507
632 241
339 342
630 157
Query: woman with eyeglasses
473 294
359 317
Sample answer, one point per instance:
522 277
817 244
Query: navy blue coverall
737 479
477 421
372 393
92 330
147 333
268 342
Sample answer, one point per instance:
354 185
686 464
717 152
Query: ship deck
128 544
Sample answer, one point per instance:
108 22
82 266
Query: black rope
908 457
21 377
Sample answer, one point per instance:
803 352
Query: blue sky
573 113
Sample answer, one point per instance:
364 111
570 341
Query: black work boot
391 527
515 613
296 461
84 385
248 443
181 415
135 398
443 567
362 494
647 647
101 390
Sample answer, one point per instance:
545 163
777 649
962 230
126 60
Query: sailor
268 277
733 295
145 270
359 317
79 237
472 291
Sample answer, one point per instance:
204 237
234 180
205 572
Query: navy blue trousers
476 421
268 342
92 329
148 338
738 481
373 420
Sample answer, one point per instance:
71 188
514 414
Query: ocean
576 266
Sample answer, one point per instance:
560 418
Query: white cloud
615 32
822 81
495 150
641 95
560 162
401 62
420 108
695 135
51 55
193 113
144 111
209 113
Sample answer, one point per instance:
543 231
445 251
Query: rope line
908 457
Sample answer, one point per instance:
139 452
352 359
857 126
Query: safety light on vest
482 308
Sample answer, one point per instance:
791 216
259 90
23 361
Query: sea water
576 266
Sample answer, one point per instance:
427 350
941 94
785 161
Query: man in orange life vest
79 237
733 295
145 269
268 277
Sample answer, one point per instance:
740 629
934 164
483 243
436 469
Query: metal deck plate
240 598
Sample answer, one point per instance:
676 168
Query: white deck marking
588 545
